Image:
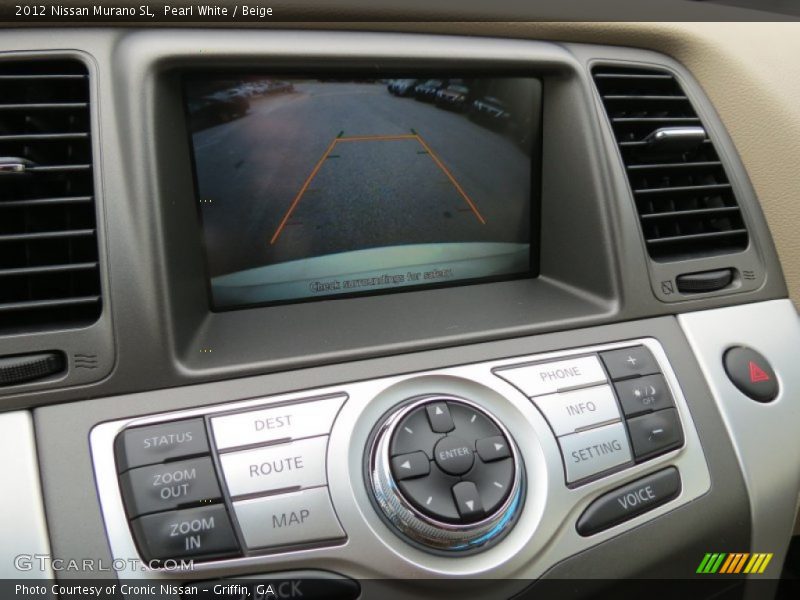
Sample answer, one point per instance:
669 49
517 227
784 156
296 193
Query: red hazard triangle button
757 374
751 373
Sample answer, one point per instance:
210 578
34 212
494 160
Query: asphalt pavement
333 167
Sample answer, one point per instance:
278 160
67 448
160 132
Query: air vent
49 275
685 200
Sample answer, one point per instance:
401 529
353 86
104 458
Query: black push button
153 444
408 466
432 495
494 481
629 362
630 501
643 395
655 433
439 417
168 486
751 373
203 531
707 281
454 455
468 501
414 433
493 448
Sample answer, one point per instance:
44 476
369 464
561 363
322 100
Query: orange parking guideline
452 180
302 191
377 138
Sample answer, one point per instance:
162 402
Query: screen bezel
535 173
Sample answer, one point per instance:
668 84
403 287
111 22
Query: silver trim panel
545 531
766 436
22 520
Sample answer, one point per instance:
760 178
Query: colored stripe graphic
733 563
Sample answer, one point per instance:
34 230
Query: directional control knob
446 474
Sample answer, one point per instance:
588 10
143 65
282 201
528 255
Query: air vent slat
686 203
45 235
691 189
49 262
699 236
25 137
697 212
48 304
48 269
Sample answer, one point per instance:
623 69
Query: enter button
630 501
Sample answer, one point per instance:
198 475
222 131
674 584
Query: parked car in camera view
490 111
453 97
402 87
427 90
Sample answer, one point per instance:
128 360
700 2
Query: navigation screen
315 188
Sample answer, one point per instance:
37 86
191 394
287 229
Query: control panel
474 467
270 463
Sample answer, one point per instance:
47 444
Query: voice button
280 467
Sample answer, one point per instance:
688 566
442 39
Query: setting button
290 421
493 448
629 362
454 455
568 412
591 452
285 519
655 433
153 444
168 486
643 395
630 501
414 433
550 377
271 468
201 531
432 495
408 466
468 501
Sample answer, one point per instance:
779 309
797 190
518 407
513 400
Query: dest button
290 421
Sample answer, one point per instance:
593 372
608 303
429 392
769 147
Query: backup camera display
313 188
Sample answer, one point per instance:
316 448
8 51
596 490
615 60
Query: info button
550 377
568 412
